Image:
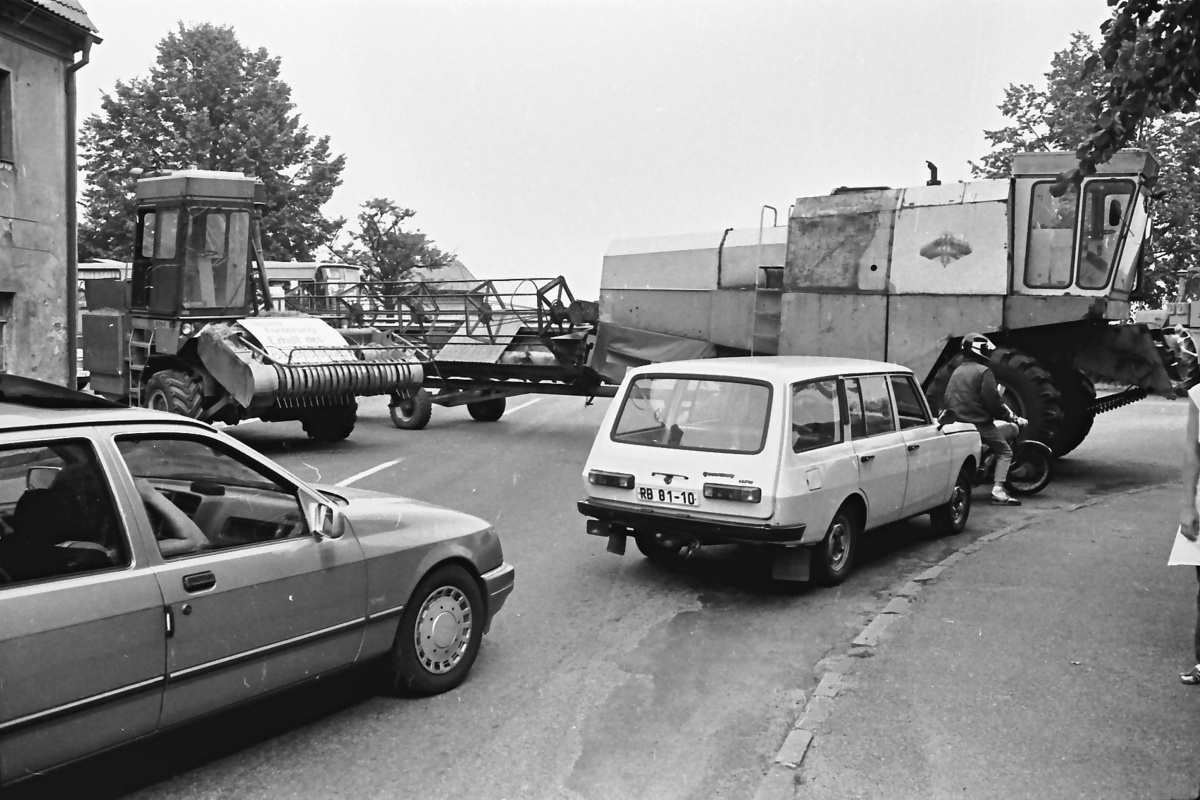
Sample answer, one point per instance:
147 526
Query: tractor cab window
1106 205
217 249
1051 237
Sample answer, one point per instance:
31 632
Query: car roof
772 368
18 416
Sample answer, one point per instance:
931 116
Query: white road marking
523 405
367 472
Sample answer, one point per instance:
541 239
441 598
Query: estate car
799 454
154 569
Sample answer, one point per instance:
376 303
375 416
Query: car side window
854 409
909 407
816 415
57 514
201 495
877 405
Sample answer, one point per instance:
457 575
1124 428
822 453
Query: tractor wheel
487 410
411 413
1078 392
1025 385
331 423
175 391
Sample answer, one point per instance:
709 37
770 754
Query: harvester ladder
141 342
768 298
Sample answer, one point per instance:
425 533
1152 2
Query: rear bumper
498 585
626 521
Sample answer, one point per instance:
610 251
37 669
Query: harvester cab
1046 269
193 330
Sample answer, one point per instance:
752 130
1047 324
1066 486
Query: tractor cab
192 249
1084 239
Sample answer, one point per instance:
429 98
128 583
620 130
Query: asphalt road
604 676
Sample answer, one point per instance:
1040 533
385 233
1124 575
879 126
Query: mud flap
791 564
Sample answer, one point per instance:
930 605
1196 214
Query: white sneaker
1001 498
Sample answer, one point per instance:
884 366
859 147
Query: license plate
675 497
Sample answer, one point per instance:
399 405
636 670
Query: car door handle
912 447
865 459
199 581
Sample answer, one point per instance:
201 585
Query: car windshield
694 413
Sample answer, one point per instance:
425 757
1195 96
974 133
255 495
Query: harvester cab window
1051 237
1106 205
215 259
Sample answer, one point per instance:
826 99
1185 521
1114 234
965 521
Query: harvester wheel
331 423
487 410
1026 386
174 390
411 413
1078 392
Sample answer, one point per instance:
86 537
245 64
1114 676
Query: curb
784 774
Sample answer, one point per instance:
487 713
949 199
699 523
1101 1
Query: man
973 396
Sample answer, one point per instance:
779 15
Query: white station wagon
801 454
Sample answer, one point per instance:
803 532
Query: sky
529 134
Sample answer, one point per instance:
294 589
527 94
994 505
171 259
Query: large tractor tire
411 413
175 391
1078 392
331 423
1026 387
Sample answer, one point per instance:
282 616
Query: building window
6 121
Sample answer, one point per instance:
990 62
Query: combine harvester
902 274
193 330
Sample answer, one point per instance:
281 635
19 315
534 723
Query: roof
772 368
69 10
26 403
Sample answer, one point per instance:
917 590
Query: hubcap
839 538
958 503
443 630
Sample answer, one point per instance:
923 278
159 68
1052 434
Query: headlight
187 328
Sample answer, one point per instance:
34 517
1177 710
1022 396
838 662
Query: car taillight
741 494
618 480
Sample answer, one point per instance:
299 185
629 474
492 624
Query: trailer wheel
411 413
1026 386
1078 392
175 391
487 410
331 423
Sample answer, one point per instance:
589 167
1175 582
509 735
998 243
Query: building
42 45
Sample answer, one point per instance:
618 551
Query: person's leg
994 436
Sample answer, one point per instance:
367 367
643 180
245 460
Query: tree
1061 117
211 102
1151 61
388 251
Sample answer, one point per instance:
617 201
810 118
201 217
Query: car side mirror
1114 214
40 477
324 520
946 417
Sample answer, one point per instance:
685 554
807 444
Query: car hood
384 521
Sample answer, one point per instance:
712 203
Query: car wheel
487 410
952 517
657 547
439 635
833 558
411 413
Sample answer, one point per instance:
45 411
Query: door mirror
325 521
1115 214
40 477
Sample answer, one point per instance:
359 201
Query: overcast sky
527 135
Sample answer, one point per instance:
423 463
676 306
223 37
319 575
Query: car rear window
694 413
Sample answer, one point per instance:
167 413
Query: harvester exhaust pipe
933 178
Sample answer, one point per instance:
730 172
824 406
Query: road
604 676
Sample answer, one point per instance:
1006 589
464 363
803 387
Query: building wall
34 300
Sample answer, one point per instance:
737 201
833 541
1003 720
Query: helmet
978 345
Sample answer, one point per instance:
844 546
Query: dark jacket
973 396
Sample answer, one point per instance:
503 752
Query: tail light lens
617 480
740 494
